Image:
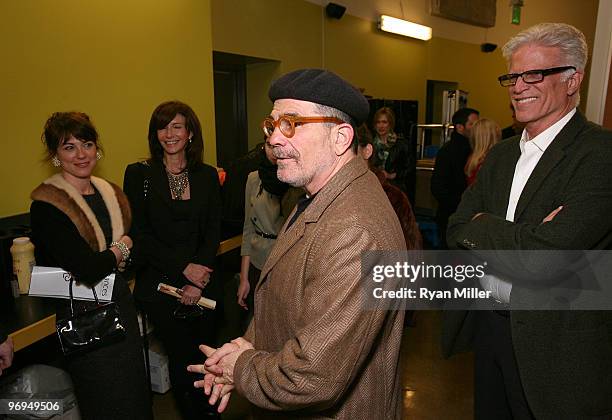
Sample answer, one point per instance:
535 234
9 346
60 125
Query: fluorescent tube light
403 27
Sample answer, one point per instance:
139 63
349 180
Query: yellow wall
395 67
286 32
115 60
297 34
259 77
579 13
476 73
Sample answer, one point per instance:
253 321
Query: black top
448 181
301 206
58 244
169 234
96 203
509 132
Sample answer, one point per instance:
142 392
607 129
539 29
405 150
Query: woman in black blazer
176 207
79 223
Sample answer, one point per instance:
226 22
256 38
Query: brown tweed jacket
318 353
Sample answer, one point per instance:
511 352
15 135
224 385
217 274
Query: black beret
322 87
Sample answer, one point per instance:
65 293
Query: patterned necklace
178 183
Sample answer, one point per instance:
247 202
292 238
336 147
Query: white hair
568 39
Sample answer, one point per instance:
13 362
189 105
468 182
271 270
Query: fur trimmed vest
62 195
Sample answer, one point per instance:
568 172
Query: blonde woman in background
392 151
485 134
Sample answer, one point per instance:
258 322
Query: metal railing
446 130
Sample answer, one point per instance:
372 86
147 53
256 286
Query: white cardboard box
158 364
160 378
54 282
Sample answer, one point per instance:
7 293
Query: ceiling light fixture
404 27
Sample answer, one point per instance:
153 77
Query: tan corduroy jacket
318 353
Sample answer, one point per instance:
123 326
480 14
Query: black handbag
91 328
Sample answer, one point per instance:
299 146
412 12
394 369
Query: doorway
229 76
433 108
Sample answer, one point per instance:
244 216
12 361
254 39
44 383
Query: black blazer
564 357
170 234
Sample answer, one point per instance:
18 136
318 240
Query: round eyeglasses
287 123
530 76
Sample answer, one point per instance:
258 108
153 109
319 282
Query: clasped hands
218 370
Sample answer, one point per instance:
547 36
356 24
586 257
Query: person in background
398 199
80 224
515 129
175 200
448 179
485 134
232 189
268 202
392 151
548 190
6 351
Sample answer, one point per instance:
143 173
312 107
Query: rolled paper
176 292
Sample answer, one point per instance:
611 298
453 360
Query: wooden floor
434 388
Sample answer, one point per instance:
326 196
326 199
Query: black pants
498 392
181 338
442 227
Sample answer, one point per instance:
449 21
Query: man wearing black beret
312 349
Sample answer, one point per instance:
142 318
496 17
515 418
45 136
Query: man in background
448 181
515 129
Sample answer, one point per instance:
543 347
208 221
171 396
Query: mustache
284 154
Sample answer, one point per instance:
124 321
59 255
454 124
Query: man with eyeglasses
313 350
550 189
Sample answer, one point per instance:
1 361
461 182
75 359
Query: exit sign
516 15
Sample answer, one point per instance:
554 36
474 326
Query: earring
56 162
189 140
98 155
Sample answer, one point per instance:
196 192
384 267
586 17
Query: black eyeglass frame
294 121
510 79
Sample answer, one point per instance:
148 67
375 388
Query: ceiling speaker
334 10
487 47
